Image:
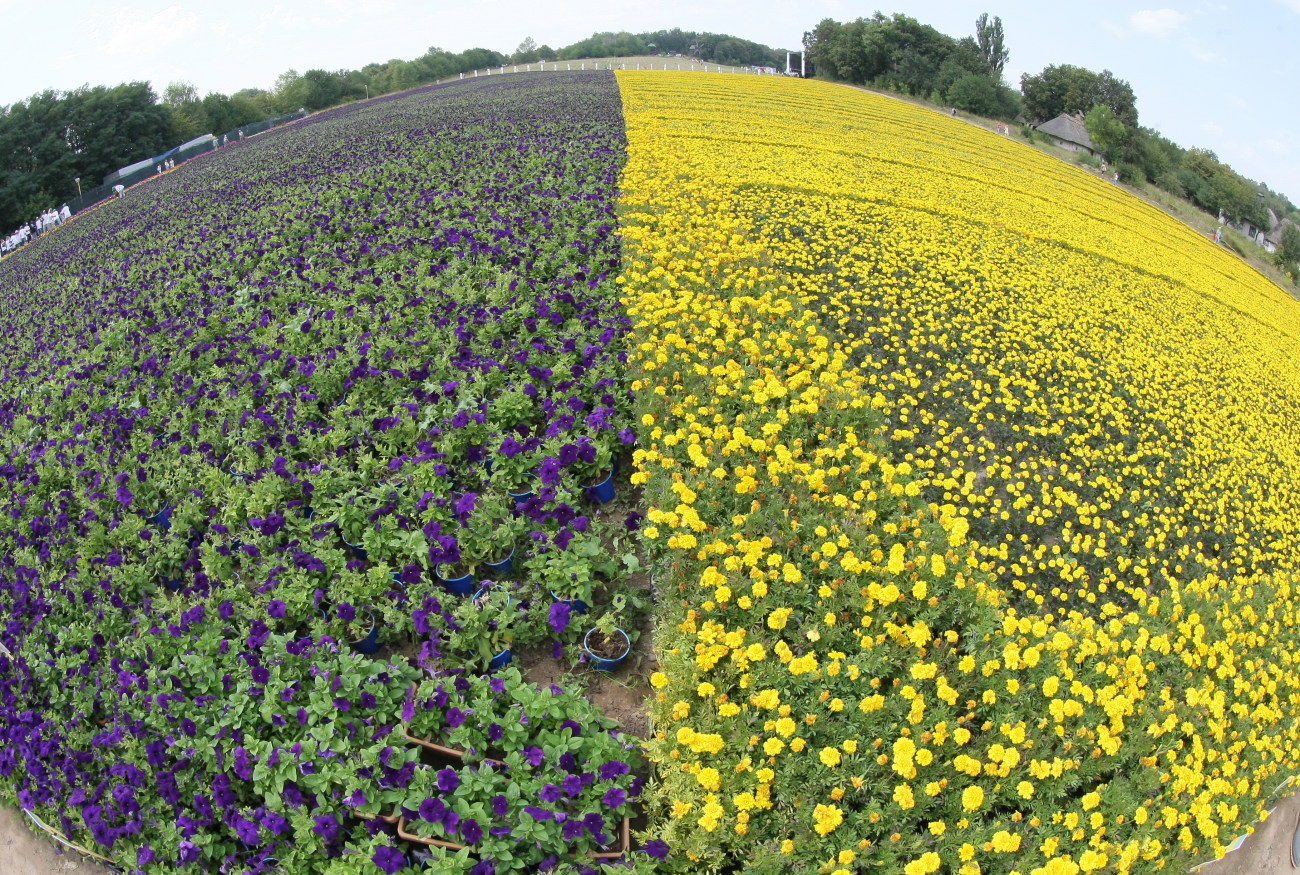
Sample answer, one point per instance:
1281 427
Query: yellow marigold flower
709 778
798 744
786 727
778 618
896 556
850 746
829 756
787 846
846 857
1091 861
658 680
1026 790
938 827
1005 842
972 797
828 818
903 796
773 746
926 864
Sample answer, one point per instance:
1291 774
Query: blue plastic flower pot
369 644
520 497
175 584
602 492
162 518
504 567
601 663
357 550
463 585
501 660
576 606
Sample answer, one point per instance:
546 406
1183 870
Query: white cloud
1160 22
135 33
1293 5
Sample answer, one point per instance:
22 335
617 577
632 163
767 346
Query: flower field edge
880 650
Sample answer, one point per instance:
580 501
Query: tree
1107 132
526 52
1290 249
1066 88
992 44
976 94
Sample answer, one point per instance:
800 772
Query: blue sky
1205 73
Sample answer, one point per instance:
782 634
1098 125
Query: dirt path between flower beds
1268 851
23 851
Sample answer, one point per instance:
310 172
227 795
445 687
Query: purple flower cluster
374 317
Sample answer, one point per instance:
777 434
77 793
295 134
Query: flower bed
965 573
331 354
535 773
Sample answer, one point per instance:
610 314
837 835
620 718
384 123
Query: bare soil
23 851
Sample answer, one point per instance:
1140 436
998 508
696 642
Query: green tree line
899 53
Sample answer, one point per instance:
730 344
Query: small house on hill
1069 132
1272 241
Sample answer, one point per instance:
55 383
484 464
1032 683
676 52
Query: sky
1206 74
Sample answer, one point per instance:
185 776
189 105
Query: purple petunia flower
656 848
550 793
246 830
612 769
559 618
471 831
535 756
538 813
500 805
614 797
572 786
432 810
276 609
389 859
448 780
326 827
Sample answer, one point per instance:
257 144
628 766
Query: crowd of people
44 222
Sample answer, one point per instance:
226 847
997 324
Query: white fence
554 67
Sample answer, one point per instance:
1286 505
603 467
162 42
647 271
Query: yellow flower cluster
974 486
